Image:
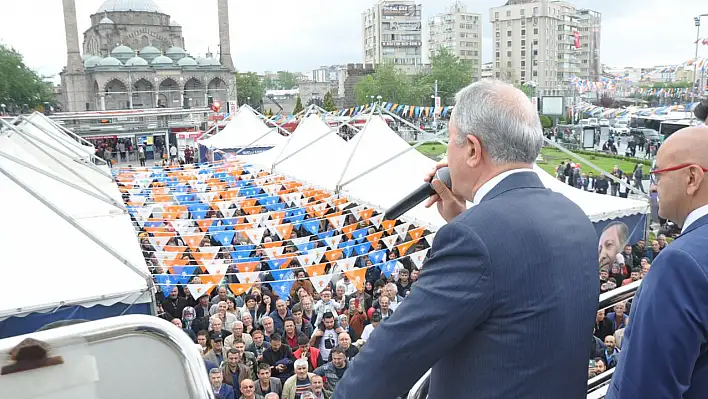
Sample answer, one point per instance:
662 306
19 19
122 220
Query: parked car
620 128
604 122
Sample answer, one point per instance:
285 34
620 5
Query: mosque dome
110 61
91 61
149 53
175 53
213 61
187 61
136 61
129 5
162 60
123 53
208 61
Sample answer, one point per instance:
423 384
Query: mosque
134 57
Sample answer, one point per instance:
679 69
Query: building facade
459 31
539 43
393 32
134 57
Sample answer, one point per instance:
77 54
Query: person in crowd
611 354
291 334
325 305
495 138
279 357
318 390
279 315
190 333
234 370
217 353
601 184
335 369
301 325
174 304
619 334
299 383
603 326
633 276
221 390
237 332
247 388
216 328
617 317
259 345
266 383
663 351
326 335
272 395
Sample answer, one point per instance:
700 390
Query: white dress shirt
693 216
489 186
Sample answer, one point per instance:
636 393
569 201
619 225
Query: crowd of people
260 341
630 265
570 173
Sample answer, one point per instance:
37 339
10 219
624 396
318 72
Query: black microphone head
443 174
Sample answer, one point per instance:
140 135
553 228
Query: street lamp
379 98
694 88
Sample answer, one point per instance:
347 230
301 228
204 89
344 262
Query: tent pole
69 219
287 133
90 164
57 178
351 156
382 163
253 142
75 136
356 129
72 171
614 179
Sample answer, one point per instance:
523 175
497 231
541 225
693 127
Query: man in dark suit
664 350
496 311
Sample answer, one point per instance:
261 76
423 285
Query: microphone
419 195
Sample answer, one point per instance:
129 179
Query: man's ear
474 151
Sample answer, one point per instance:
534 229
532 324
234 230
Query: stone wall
133 29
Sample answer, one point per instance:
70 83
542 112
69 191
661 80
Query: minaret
73 55
224 36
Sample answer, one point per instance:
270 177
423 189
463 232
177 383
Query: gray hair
271 395
300 362
502 118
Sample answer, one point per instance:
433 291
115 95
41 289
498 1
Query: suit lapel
698 223
515 181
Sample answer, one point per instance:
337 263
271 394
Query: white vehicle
584 122
592 121
621 128
604 122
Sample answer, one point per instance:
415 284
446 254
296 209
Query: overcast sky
300 35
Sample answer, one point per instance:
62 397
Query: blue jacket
665 345
484 314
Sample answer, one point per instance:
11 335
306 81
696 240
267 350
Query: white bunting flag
210 250
301 202
185 230
337 221
272 189
228 212
207 197
158 243
376 220
347 264
247 277
418 258
402 229
224 207
320 282
317 253
356 211
216 267
200 186
165 256
138 200
273 252
305 260
197 290
142 214
319 207
255 235
429 239
333 241
390 241
343 206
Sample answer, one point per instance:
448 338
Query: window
508 53
496 15
535 42
523 74
522 11
535 31
535 74
523 53
508 33
497 64
496 74
523 63
508 43
508 13
498 34
523 43
535 10
523 32
508 64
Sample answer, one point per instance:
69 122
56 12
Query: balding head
493 128
684 189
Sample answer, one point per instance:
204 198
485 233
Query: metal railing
597 386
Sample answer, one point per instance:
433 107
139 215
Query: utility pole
437 104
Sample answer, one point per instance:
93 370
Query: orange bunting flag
388 225
193 240
173 248
284 230
374 238
367 213
403 248
416 233
239 289
357 277
252 210
248 202
246 267
211 278
316 270
204 224
349 229
278 216
334 254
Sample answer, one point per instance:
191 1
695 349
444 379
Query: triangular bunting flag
430 238
390 241
198 290
158 242
376 220
388 225
333 241
403 248
255 235
418 257
274 252
239 289
248 277
347 263
317 253
357 277
193 241
356 211
402 229
306 259
416 233
284 230
320 282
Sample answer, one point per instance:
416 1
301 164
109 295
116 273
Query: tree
269 83
19 84
270 111
329 102
249 86
298 105
452 74
388 82
527 89
287 80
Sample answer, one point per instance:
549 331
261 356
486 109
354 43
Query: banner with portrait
614 263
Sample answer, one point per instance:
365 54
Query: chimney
224 36
73 55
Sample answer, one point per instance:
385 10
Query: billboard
613 235
552 106
398 9
402 43
407 26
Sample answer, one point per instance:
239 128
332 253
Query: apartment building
459 31
540 43
392 32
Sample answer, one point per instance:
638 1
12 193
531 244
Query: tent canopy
244 130
403 171
62 265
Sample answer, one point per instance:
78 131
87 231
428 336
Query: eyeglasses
656 173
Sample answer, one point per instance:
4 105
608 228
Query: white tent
311 154
48 262
244 130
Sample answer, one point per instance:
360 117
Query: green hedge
620 157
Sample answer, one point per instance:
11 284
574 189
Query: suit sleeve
452 296
666 330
